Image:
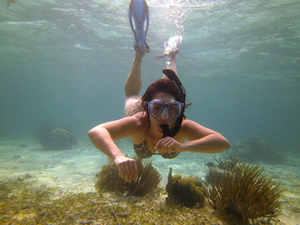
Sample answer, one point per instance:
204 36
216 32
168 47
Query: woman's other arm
202 139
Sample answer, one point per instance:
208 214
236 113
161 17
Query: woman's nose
164 113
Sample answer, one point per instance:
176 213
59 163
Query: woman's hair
161 85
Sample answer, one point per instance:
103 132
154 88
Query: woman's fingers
128 169
135 172
131 172
126 173
166 145
121 172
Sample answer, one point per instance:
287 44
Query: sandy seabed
76 169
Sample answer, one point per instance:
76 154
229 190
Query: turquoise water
67 61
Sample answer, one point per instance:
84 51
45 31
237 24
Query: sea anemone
243 195
111 181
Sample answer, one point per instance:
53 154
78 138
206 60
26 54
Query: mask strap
173 77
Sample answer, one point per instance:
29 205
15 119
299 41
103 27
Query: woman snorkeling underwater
155 122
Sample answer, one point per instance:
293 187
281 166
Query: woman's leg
133 83
171 50
171 64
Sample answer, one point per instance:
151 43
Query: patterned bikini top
142 150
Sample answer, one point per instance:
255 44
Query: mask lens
158 107
174 109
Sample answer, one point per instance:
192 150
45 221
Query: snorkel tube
165 127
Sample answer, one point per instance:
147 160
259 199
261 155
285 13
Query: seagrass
28 203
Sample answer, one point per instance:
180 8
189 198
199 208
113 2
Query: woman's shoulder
140 119
186 122
138 127
194 129
130 124
190 125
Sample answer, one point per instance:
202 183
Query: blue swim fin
139 14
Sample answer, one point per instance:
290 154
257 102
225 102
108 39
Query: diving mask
157 107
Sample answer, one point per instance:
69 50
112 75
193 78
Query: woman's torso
144 137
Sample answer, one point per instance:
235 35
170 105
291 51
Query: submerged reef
187 191
109 180
255 149
243 195
56 139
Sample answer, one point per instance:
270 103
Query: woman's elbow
225 145
222 144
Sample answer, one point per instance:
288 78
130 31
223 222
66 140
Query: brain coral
187 191
58 139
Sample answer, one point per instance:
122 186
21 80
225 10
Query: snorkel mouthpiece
171 133
166 130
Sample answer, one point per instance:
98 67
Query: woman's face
160 120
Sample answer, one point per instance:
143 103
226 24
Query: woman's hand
168 145
127 167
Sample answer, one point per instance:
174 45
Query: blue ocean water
66 62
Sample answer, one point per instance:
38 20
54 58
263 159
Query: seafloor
41 186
